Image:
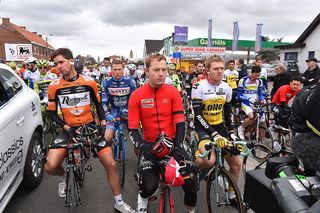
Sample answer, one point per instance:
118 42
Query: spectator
312 74
282 78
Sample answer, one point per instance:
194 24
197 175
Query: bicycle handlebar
241 146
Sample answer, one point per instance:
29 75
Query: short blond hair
214 58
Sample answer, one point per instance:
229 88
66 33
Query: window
311 54
291 56
9 86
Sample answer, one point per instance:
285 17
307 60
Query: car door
13 133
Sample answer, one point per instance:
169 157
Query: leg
55 158
235 167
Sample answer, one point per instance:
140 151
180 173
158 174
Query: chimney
6 20
23 27
34 33
40 35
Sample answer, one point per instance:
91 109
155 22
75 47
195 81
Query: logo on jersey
77 99
119 91
147 103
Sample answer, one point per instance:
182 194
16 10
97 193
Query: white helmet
30 60
132 67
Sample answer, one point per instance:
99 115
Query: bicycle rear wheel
222 193
260 153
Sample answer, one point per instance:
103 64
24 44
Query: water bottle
276 146
77 156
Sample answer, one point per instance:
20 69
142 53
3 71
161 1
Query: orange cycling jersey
158 110
74 99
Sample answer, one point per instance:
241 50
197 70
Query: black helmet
78 66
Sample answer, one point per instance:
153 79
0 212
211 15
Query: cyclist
250 91
75 94
106 68
31 74
231 77
92 72
45 78
13 66
115 95
280 101
211 101
242 68
158 107
172 78
193 76
133 73
263 73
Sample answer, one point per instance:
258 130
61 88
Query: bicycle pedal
89 168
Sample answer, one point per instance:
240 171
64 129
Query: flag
258 38
236 33
210 33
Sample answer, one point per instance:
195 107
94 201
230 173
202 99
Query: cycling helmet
31 60
172 175
12 64
163 147
78 66
42 63
171 66
132 67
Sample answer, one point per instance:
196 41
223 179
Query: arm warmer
135 137
180 132
197 108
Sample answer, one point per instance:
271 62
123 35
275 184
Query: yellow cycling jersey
213 99
231 77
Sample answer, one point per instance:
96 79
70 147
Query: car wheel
33 170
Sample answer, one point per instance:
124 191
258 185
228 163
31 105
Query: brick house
14 34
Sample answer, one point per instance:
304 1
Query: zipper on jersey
155 100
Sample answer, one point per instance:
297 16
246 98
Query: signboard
201 52
17 52
180 35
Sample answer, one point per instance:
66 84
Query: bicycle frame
118 134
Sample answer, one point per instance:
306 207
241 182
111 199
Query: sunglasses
42 67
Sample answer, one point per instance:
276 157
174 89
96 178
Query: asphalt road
95 192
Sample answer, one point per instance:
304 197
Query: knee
51 167
250 115
235 166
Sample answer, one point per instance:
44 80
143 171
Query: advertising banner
201 52
210 33
180 35
236 33
17 52
258 38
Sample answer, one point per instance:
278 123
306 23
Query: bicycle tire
72 189
260 153
166 201
268 139
226 184
81 168
119 157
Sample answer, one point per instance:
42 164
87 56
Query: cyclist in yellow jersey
211 99
231 76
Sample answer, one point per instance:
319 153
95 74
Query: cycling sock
142 203
118 200
190 211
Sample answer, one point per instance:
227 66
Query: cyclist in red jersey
158 107
75 94
281 98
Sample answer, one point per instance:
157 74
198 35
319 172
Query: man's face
132 72
43 70
117 71
216 71
311 64
199 68
231 66
295 85
157 73
279 70
64 65
106 63
30 66
90 68
171 71
254 76
259 62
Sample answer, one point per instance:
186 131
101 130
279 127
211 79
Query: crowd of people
153 98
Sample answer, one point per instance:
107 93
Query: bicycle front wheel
260 153
120 158
72 189
222 193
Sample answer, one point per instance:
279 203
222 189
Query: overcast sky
105 27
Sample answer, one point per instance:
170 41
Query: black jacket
280 80
308 75
243 71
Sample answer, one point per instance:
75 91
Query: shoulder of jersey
55 81
224 84
201 82
87 78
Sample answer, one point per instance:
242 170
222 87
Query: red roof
32 37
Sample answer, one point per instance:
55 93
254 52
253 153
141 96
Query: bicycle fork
166 201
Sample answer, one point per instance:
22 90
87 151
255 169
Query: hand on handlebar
220 141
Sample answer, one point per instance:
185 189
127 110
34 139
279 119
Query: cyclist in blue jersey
115 96
250 90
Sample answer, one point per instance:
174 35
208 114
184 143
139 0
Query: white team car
21 136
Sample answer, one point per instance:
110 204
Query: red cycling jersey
284 94
158 110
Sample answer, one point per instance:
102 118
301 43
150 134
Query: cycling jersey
116 93
75 99
250 90
43 84
31 77
158 110
264 77
213 98
284 94
231 77
174 81
93 74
